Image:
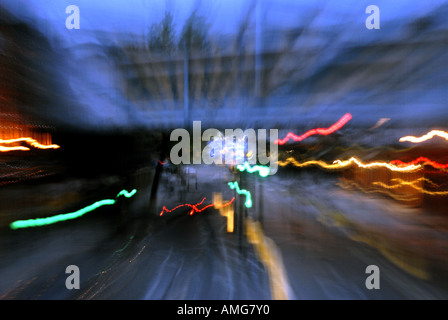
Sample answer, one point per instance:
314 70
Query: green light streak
127 244
234 185
126 193
67 216
262 170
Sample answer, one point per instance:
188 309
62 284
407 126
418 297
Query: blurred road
328 237
325 236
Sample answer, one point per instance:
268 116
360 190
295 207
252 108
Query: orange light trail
225 211
392 167
411 184
415 181
308 163
338 164
322 131
347 185
194 207
28 140
7 149
421 159
425 137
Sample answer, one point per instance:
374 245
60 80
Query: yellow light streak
339 164
347 185
7 149
415 181
425 137
224 210
30 141
411 184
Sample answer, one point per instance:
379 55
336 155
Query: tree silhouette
162 36
194 35
162 40
195 42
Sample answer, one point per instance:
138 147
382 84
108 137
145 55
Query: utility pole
260 199
186 89
258 51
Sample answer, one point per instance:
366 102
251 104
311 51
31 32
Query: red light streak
163 163
194 207
421 159
322 131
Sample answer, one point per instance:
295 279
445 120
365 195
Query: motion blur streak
409 168
32 175
234 185
66 216
417 180
125 246
219 206
7 149
225 210
194 207
32 142
338 125
425 137
421 159
348 185
412 184
126 194
262 170
380 123
339 164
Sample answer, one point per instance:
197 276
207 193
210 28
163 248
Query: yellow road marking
270 256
